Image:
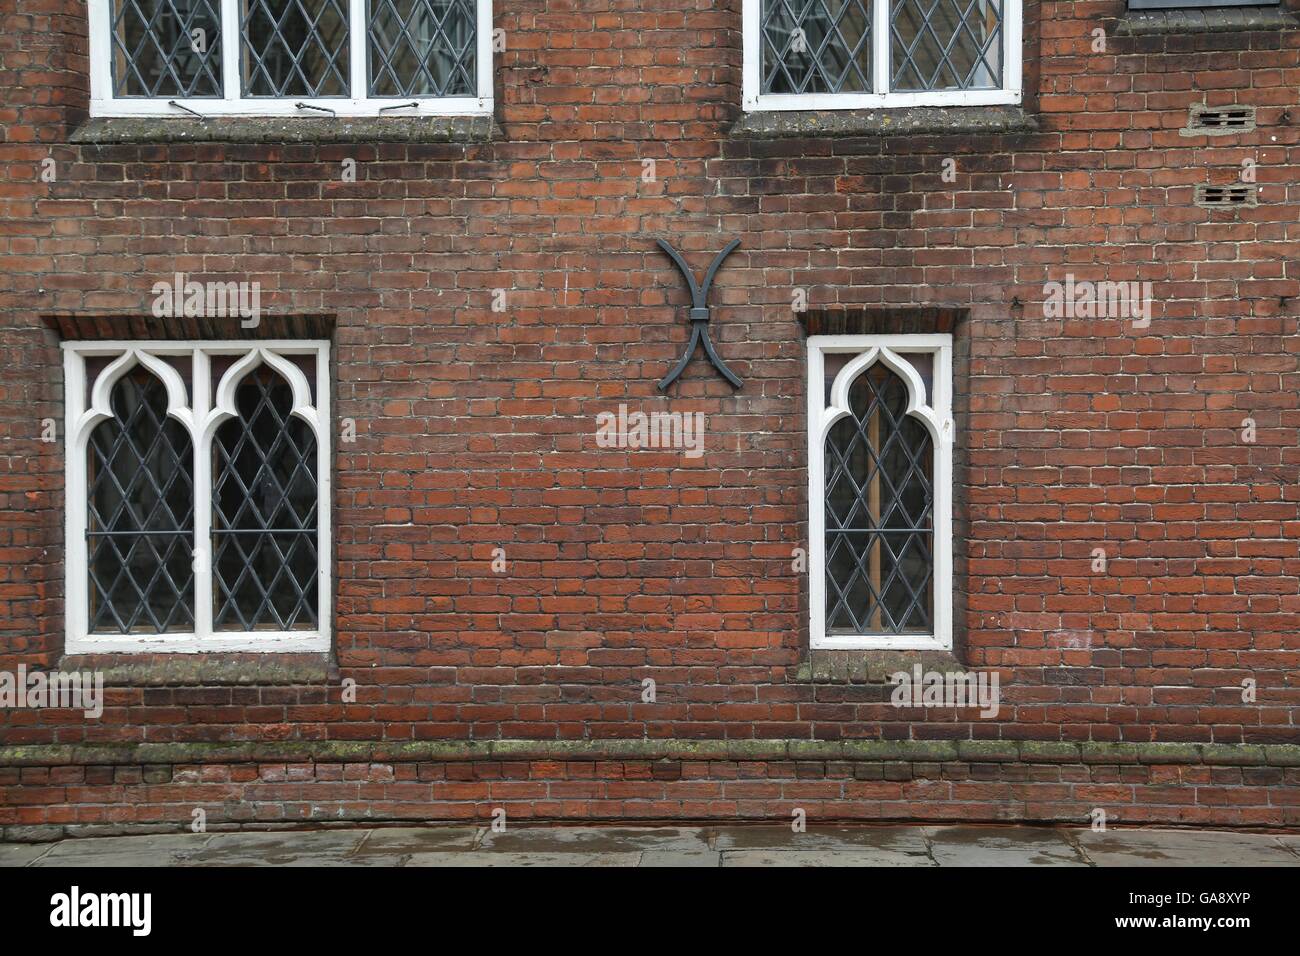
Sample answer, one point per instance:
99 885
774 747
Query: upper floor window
880 437
197 496
290 57
855 54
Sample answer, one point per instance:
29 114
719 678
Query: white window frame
200 415
233 103
892 350
754 99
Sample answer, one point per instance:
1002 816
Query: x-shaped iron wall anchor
699 315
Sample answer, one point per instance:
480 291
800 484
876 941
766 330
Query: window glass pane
816 46
946 45
422 47
166 48
879 513
264 512
140 521
295 48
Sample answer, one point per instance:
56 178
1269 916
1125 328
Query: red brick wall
476 429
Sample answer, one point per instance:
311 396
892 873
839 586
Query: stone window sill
291 129
907 121
206 670
869 667
1222 20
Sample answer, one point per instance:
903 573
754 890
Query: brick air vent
1219 120
1219 196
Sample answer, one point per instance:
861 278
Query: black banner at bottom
357 904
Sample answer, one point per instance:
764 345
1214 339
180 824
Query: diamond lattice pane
166 48
423 48
816 46
946 45
879 513
140 514
295 48
264 501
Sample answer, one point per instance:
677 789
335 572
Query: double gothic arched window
198 496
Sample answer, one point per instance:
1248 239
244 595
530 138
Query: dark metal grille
264 512
879 513
140 514
295 48
816 46
946 44
422 48
157 50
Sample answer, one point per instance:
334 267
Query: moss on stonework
1170 753
988 751
1190 21
870 667
288 129
1282 755
1107 752
1050 751
854 751
907 121
203 670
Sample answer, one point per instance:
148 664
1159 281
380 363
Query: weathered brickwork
476 429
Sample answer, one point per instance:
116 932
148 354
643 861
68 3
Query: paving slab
495 858
860 857
874 846
1000 846
160 849
21 854
681 858
1119 847
1292 843
594 839
393 847
538 846
281 848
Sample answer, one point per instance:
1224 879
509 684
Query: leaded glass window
264 511
308 58
945 44
295 47
816 46
198 512
880 436
879 513
829 54
140 514
422 47
166 48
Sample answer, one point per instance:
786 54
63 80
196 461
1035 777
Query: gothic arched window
140 513
198 516
880 436
264 511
